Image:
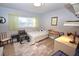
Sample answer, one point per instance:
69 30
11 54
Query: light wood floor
42 48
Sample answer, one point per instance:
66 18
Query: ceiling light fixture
37 4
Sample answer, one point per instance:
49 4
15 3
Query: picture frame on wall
54 21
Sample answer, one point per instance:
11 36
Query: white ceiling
46 7
76 7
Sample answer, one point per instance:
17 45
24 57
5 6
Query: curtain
13 22
37 22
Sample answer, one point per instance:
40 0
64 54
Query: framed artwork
54 21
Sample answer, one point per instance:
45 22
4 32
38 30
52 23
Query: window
27 22
54 21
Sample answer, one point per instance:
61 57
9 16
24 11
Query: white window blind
27 22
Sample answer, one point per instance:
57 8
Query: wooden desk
62 43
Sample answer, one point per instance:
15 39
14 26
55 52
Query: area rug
59 53
42 48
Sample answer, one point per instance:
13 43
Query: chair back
3 35
22 32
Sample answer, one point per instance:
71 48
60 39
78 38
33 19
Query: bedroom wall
44 19
63 15
5 11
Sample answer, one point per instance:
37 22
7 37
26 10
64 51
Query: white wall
5 11
63 15
45 19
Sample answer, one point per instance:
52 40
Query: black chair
23 36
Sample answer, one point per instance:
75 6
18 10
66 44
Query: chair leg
2 43
7 41
11 40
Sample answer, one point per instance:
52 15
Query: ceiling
46 7
74 8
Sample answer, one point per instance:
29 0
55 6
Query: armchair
4 37
22 36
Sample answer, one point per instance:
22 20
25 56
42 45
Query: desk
62 43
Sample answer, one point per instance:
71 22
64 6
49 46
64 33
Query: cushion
5 39
1 51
